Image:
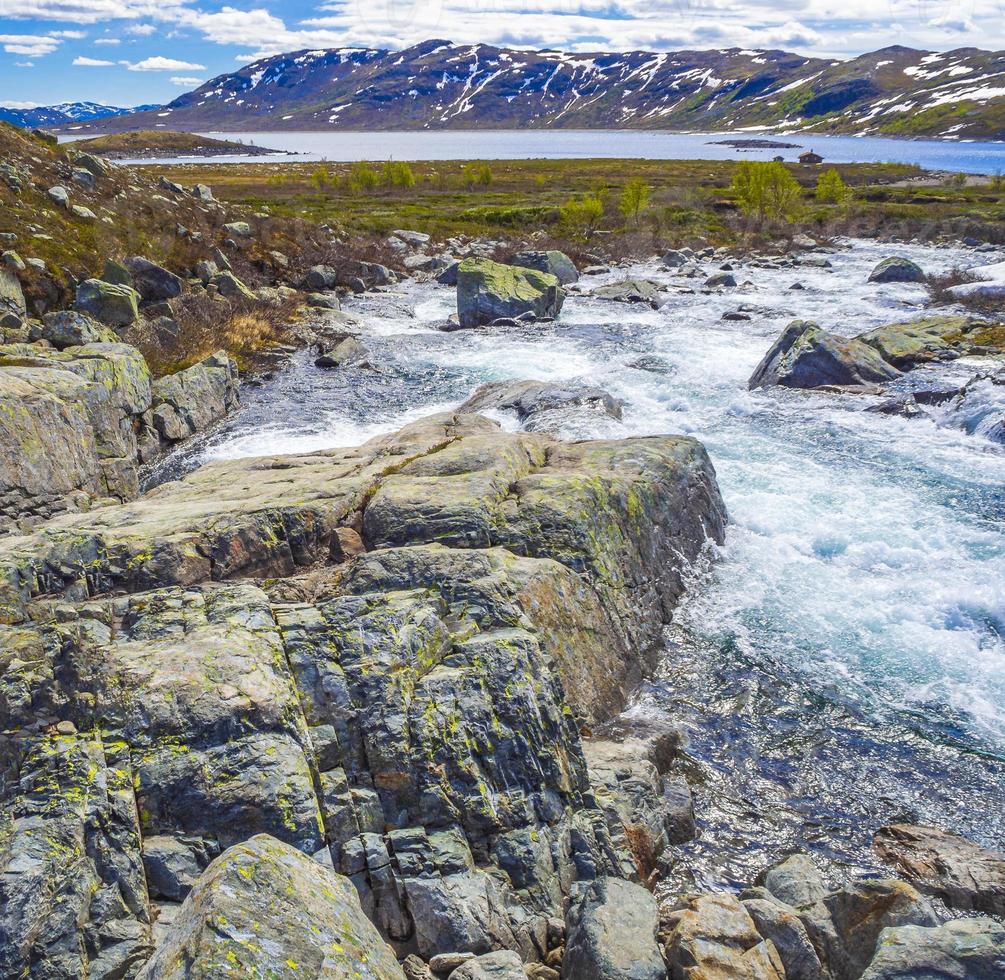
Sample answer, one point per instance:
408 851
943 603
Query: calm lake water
983 158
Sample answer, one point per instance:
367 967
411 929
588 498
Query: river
842 663
962 156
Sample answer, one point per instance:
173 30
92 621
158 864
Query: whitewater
841 662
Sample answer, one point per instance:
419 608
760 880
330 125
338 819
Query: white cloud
185 81
19 105
83 62
29 44
141 30
73 35
160 63
24 64
107 40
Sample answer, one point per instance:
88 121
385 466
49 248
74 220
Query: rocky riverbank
373 711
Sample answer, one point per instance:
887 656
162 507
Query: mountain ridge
64 113
895 91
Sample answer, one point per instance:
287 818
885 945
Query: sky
130 52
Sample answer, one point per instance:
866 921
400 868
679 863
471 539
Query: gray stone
60 195
202 193
964 949
230 287
502 964
268 890
806 356
320 278
556 263
238 229
153 282
84 178
540 405
720 280
611 934
111 304
897 269
632 291
11 294
69 328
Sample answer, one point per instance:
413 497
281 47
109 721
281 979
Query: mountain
438 85
66 113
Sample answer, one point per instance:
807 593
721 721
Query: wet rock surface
488 291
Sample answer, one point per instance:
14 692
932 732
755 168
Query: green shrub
582 216
397 174
634 198
512 216
831 189
361 178
767 190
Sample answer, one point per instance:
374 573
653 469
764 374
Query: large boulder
111 304
264 909
153 282
906 344
611 934
412 715
70 427
897 269
556 263
807 356
488 291
964 875
967 949
715 938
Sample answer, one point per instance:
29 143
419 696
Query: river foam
851 636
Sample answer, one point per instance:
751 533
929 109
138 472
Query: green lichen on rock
488 291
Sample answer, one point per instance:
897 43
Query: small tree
582 216
634 198
320 178
361 178
831 189
398 174
767 190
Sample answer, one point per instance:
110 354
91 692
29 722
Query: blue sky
127 52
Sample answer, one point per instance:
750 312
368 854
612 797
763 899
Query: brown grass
241 327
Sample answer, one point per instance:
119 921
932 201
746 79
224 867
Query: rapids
842 663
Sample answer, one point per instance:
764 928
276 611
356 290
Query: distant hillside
65 114
137 144
438 85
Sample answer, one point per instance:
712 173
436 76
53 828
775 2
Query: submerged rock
906 344
264 909
542 406
806 356
897 269
964 875
632 291
488 291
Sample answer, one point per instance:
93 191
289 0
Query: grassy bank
688 201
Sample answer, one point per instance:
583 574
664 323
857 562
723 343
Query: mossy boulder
488 291
265 910
807 356
113 304
905 345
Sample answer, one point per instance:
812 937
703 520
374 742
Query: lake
983 158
